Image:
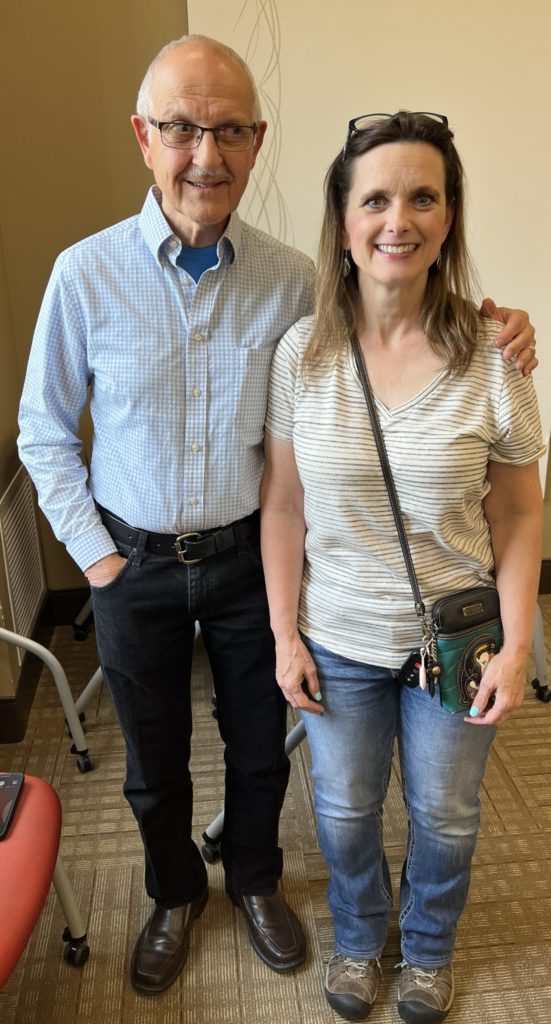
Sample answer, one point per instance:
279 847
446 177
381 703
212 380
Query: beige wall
484 64
69 74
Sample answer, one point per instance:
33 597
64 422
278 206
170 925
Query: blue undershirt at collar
196 260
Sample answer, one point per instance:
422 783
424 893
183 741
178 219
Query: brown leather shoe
163 946
274 930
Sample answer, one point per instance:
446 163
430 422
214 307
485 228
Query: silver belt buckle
180 553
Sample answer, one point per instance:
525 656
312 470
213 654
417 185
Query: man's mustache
198 174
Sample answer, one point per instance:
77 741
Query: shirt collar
165 245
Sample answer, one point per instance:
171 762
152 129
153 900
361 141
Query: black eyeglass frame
200 129
353 130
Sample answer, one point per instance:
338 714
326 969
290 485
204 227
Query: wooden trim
63 606
545 577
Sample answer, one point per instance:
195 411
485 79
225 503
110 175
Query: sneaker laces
424 977
356 969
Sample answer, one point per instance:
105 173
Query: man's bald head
195 43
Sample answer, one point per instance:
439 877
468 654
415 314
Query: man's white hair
144 106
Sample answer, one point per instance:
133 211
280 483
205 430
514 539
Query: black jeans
145 626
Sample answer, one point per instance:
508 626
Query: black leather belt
189 548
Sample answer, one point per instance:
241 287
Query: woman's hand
514 510
504 680
297 676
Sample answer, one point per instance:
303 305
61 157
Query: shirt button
194 501
196 392
198 336
195 447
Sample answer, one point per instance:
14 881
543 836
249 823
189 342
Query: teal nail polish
474 712
317 696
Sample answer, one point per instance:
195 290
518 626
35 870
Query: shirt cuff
89 547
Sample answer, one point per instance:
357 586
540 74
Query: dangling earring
439 261
346 265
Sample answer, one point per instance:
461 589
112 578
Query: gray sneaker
351 986
424 996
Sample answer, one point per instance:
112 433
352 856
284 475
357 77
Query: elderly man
170 319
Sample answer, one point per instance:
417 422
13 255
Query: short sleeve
283 384
520 438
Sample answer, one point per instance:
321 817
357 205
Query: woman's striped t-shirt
356 598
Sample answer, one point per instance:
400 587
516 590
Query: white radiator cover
22 579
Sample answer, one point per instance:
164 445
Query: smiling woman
462 436
396 217
448 313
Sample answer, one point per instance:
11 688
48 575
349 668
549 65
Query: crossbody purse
463 631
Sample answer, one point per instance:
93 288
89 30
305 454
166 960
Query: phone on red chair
11 784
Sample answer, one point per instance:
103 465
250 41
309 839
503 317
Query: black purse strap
389 481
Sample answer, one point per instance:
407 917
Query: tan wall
69 74
9 391
9 382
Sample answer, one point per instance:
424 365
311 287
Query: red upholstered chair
29 862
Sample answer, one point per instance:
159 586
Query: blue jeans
442 762
145 627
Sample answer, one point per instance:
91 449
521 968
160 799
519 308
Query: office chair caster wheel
210 849
76 951
82 623
543 692
84 763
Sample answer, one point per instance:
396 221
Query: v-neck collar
398 410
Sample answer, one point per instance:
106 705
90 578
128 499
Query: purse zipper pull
423 669
432 666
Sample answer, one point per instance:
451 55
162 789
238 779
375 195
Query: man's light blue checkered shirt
177 372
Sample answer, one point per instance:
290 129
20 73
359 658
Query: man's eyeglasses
183 135
361 124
